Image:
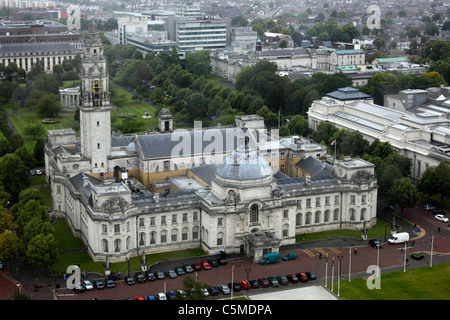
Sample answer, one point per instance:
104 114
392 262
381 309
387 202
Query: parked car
389 208
187 268
160 275
110 283
244 284
138 298
88 285
1 265
205 292
181 293
196 266
311 275
213 263
429 207
129 280
32 172
171 274
179 271
205 265
139 277
375 243
222 261
223 289
79 288
213 291
99 284
441 217
290 256
282 280
235 286
292 278
170 295
160 296
273 281
151 276
263 282
438 211
151 298
302 276
254 284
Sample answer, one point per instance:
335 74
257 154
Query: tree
13 174
8 245
42 250
192 289
48 105
199 63
34 129
431 29
402 193
298 125
436 181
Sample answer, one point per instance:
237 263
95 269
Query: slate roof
348 93
162 145
205 172
38 47
313 166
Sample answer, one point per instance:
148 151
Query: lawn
423 283
73 252
376 231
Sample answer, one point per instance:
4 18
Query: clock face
97 87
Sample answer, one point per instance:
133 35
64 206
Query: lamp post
339 272
128 263
247 271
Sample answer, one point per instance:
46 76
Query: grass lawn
376 231
423 283
139 110
72 252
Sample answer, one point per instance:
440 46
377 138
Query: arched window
105 245
142 239
352 215
195 233
174 235
117 245
336 215
363 214
298 219
308 218
254 213
326 217
163 236
317 217
285 231
153 237
219 238
184 234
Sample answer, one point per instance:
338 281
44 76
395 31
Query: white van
399 238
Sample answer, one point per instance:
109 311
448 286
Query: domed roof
244 165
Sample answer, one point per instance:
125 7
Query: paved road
40 285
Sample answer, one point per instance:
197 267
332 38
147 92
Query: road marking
335 250
323 252
309 253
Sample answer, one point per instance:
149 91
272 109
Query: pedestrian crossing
324 251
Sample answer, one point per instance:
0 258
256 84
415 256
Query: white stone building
211 189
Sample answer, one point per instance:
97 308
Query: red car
302 276
196 266
205 265
263 282
292 278
244 284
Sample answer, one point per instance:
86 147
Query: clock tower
95 108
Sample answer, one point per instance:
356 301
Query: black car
171 274
213 263
438 211
273 282
110 283
283 280
254 284
139 277
213 291
99 284
375 243
150 276
188 268
234 286
179 271
311 275
129 280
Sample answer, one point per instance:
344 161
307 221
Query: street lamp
339 272
247 271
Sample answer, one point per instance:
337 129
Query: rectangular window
117 228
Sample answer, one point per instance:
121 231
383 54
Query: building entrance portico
258 244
